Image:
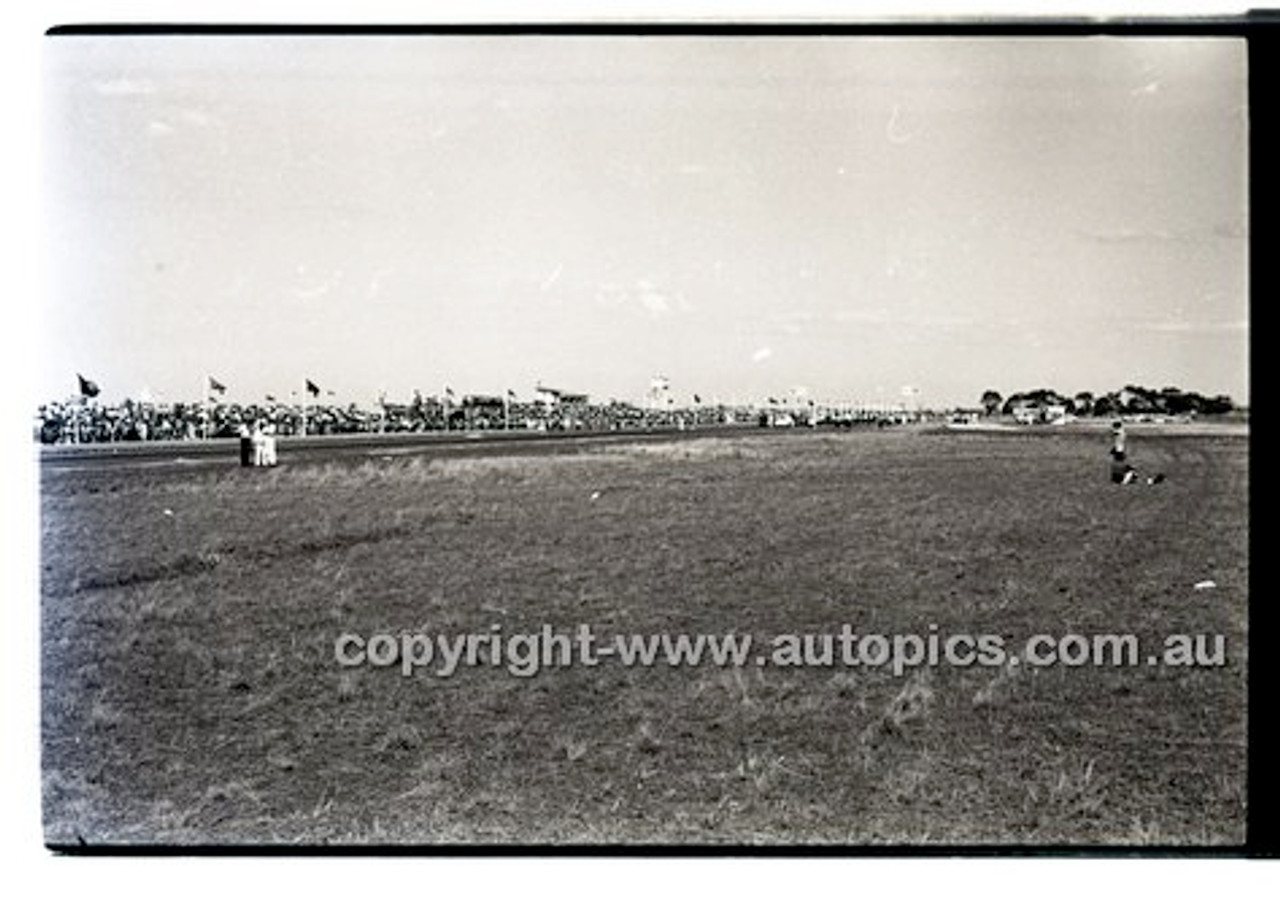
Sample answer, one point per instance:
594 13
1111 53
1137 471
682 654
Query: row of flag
89 388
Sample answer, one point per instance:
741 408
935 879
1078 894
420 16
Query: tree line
1129 400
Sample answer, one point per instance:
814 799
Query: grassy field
190 692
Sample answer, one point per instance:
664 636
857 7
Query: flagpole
305 393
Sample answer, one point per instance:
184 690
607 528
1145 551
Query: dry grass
190 693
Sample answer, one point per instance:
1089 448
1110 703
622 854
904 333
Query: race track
226 452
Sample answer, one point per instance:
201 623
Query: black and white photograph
712 438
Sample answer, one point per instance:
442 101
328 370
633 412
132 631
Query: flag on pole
216 386
87 387
448 391
270 398
312 387
697 400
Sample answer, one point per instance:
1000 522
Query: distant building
552 398
1026 412
1036 411
659 395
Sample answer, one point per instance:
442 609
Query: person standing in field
259 445
269 444
246 446
1121 471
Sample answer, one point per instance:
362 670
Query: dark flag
270 398
772 401
87 387
448 391
697 400
511 393
312 388
215 386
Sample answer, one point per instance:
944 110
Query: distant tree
1175 402
991 400
1107 404
1138 400
1082 404
1217 405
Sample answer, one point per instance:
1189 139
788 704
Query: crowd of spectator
85 420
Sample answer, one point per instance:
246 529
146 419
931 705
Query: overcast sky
744 216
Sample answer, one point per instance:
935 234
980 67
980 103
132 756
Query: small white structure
551 398
658 396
